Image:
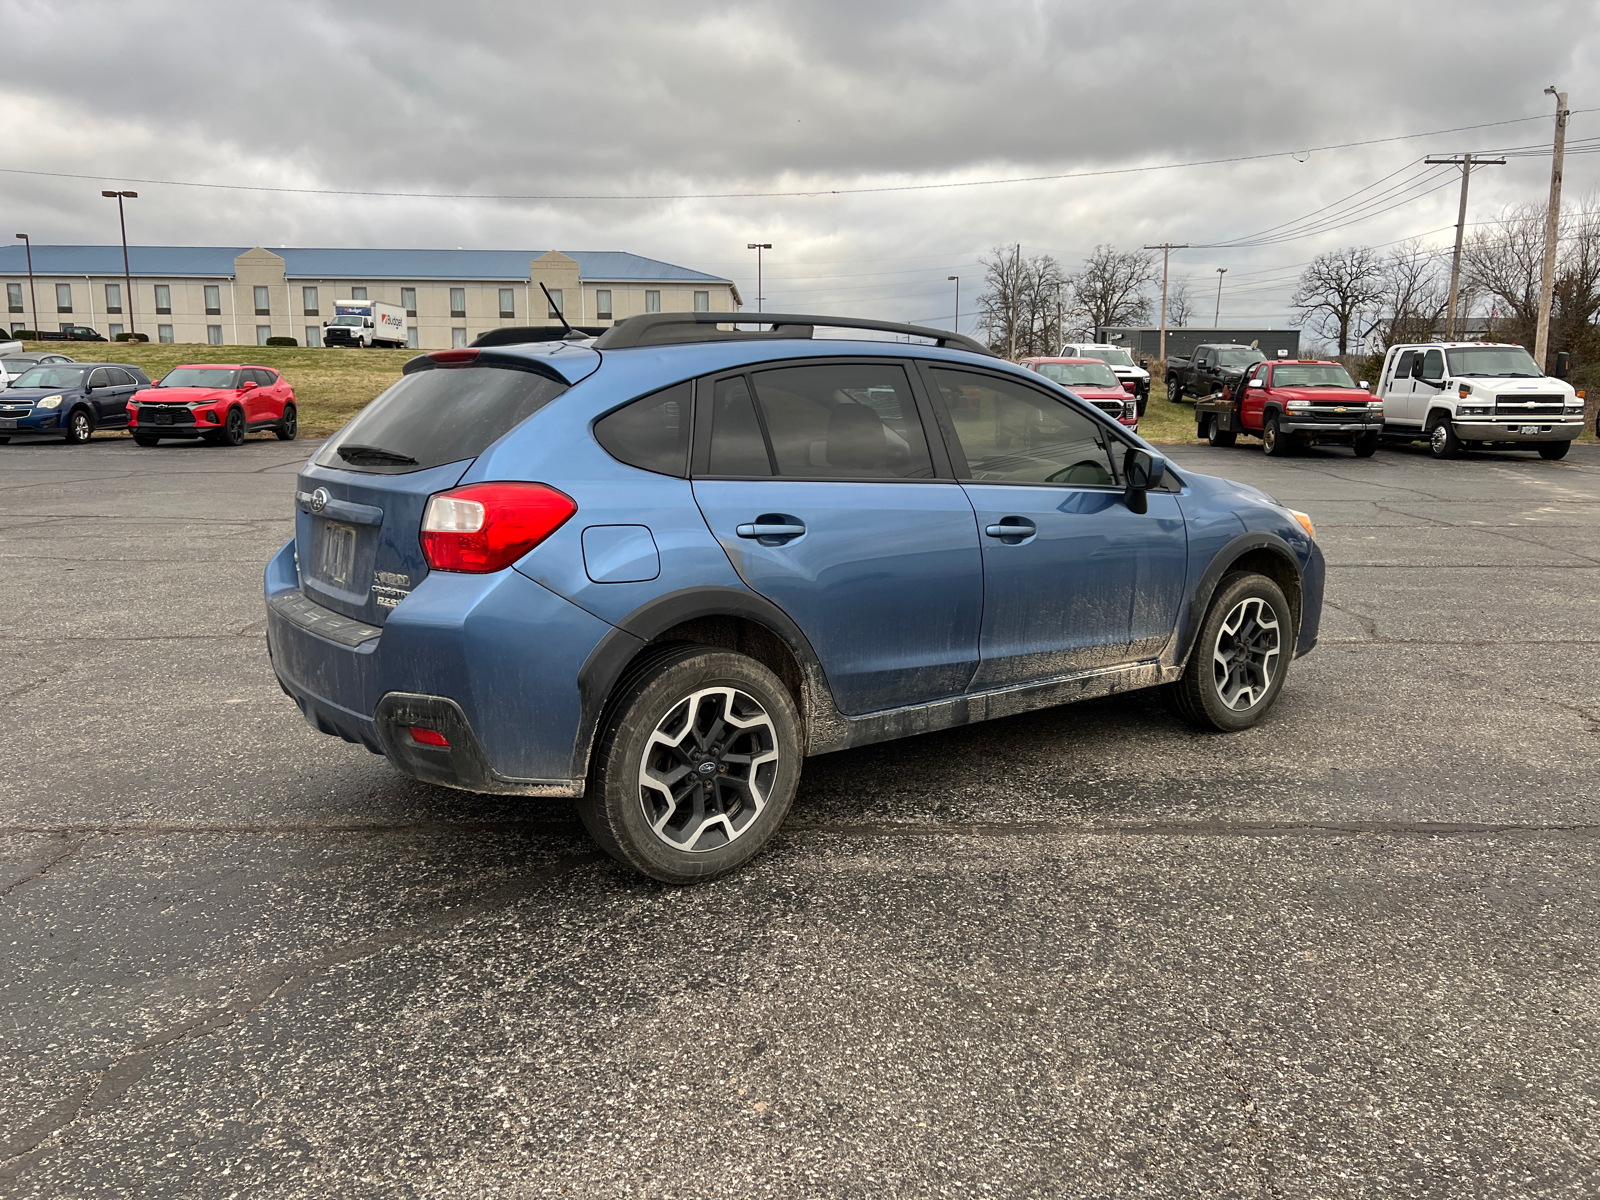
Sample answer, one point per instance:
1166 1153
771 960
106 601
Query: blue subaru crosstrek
655 570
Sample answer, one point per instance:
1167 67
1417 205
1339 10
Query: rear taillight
488 526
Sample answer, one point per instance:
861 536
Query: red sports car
214 401
1091 380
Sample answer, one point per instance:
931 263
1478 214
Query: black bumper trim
307 614
462 764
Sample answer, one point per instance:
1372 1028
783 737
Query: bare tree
1021 302
1180 304
1110 290
1335 286
1505 261
1416 293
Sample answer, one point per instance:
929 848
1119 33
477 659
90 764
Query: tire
288 427
1218 436
5 441
1553 450
648 732
1174 389
1274 443
1367 446
1442 439
1140 399
233 428
80 426
1245 645
144 439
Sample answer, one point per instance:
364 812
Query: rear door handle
762 530
1012 527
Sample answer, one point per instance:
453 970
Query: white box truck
365 323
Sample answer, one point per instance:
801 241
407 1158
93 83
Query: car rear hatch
359 501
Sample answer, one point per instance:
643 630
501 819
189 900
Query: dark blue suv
655 570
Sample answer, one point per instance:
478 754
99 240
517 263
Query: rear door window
438 416
652 433
843 421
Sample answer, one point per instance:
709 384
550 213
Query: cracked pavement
1085 952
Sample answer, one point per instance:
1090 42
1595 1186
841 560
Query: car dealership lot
1087 951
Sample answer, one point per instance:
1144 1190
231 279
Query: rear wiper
375 454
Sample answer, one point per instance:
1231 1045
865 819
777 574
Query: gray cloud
674 97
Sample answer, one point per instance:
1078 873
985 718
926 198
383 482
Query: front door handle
1012 530
778 529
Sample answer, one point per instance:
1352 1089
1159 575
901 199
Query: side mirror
1416 367
1562 359
1365 386
248 386
1144 364
1141 471
1258 382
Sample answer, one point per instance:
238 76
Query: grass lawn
329 385
1167 423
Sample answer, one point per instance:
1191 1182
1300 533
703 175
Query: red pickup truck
1289 404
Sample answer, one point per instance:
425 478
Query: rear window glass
436 417
652 433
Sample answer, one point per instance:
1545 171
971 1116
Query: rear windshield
1240 358
1320 375
439 416
199 377
42 377
1117 358
1080 374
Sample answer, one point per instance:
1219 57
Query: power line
815 192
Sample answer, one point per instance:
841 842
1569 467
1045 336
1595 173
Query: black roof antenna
572 335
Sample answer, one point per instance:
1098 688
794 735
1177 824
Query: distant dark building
1146 342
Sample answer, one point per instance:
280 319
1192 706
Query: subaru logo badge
319 500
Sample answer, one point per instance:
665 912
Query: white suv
1476 395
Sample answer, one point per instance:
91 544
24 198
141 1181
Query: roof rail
665 329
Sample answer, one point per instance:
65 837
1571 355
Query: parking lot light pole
1216 317
758 247
955 326
127 272
32 299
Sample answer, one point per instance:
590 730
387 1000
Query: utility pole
1466 162
127 273
32 299
1016 301
758 247
955 326
1061 319
1216 318
1166 249
1552 229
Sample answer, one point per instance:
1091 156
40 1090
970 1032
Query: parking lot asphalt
1086 952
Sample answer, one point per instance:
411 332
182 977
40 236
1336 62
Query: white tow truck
365 323
1476 396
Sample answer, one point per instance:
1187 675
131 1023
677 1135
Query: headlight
1472 410
1305 522
1298 405
1374 405
50 402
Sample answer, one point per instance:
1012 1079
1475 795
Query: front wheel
696 765
1273 442
233 428
1236 669
288 425
1553 450
1442 439
80 427
1366 446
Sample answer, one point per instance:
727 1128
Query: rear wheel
1217 435
80 426
1236 668
1272 441
697 763
233 428
1442 439
288 425
1553 449
1367 446
144 439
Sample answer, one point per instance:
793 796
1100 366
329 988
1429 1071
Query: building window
114 331
164 334
458 302
557 305
263 332
458 338
263 302
213 300
313 335
408 301
358 293
508 302
411 338
164 298
702 302
63 297
14 297
214 334
113 297
652 301
18 326
602 305
308 301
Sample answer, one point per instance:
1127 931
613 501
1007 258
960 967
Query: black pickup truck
73 333
1212 366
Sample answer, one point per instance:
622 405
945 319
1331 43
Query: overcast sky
674 97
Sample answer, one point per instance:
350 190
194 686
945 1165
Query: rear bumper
490 661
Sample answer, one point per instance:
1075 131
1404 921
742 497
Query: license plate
161 418
338 552
8 422
1530 429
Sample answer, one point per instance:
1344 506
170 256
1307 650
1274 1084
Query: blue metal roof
318 263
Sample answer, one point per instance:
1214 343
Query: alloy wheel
1245 658
708 769
81 429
